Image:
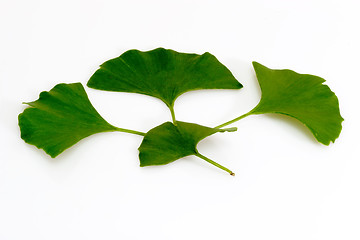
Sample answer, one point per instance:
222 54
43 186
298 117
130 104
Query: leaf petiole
215 163
173 114
129 131
234 120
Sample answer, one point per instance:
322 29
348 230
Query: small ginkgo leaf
301 96
168 142
60 118
162 73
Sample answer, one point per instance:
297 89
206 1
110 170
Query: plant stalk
234 120
173 114
129 131
215 163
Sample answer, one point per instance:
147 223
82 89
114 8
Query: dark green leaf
301 96
167 142
60 118
161 73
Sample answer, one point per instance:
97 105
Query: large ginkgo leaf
301 96
60 118
162 73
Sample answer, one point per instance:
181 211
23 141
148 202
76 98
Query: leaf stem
232 129
129 131
214 163
173 114
234 120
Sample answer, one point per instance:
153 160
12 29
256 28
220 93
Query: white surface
287 186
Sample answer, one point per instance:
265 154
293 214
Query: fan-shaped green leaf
168 142
162 73
60 118
301 96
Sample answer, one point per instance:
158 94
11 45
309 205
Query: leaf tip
254 63
258 66
239 85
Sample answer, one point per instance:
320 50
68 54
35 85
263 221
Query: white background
287 186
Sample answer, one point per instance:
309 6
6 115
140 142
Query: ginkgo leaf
301 96
168 142
162 73
60 118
